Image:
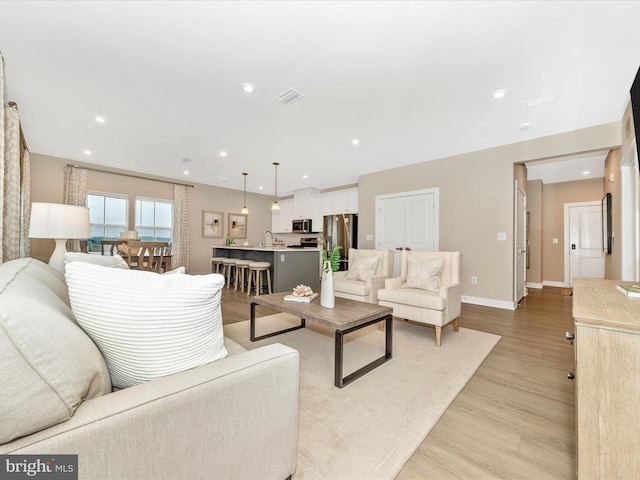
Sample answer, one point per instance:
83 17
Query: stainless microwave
301 226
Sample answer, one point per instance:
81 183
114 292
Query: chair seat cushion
414 297
352 287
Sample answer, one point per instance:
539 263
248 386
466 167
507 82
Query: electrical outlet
502 236
474 280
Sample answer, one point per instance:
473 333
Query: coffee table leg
252 331
339 381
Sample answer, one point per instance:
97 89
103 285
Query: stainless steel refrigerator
341 230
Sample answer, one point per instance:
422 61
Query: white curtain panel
11 191
15 182
180 245
75 193
1 154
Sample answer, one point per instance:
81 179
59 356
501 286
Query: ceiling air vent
289 96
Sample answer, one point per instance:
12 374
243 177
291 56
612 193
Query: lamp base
57 258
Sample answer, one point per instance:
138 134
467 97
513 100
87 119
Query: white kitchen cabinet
340 201
303 203
281 222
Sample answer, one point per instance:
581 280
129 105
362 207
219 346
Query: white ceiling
411 80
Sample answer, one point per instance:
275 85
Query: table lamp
61 223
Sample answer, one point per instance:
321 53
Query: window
107 217
154 219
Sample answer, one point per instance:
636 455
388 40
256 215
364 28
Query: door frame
520 224
567 247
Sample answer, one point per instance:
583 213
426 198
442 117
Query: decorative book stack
632 291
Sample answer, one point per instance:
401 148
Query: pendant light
275 205
245 210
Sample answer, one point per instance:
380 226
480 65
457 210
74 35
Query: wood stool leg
268 272
250 278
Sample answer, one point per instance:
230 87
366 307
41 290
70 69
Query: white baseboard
488 302
534 285
548 283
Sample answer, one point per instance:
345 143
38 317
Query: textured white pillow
363 268
424 275
148 325
105 260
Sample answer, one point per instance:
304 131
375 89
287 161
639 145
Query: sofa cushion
148 325
362 268
48 365
424 274
414 297
115 261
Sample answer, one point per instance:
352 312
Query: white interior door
407 220
586 258
520 244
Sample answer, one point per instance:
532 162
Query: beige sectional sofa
234 418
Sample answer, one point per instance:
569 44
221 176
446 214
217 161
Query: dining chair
110 246
146 255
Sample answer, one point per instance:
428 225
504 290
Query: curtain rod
22 139
129 175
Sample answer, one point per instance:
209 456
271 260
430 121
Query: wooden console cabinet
607 340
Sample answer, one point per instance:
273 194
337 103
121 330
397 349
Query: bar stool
241 267
228 269
255 274
216 264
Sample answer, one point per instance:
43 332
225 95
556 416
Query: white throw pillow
363 268
424 275
148 325
115 261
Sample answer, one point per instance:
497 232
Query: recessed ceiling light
87 152
223 154
305 176
355 141
260 187
186 172
248 88
586 172
498 94
100 119
525 126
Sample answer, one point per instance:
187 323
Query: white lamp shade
58 221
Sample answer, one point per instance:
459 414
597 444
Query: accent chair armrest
395 282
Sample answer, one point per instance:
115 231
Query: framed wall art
237 225
212 225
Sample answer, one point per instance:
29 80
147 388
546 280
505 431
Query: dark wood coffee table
347 316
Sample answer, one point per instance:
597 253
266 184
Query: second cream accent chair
368 269
427 290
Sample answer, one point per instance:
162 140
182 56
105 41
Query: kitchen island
290 267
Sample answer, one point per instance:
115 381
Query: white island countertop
276 248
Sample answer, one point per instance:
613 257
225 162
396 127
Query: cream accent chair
365 276
425 291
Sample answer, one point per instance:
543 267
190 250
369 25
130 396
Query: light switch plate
502 236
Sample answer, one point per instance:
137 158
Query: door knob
570 336
571 374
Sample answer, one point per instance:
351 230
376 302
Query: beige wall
555 195
534 207
476 201
47 181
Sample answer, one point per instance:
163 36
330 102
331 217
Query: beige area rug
371 427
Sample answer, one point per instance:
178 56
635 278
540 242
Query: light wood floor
515 418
